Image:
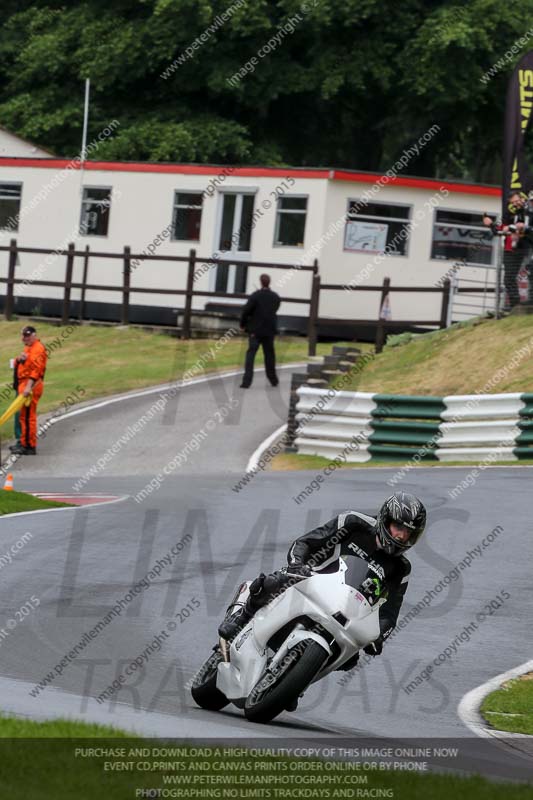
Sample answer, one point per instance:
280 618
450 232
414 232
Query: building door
234 240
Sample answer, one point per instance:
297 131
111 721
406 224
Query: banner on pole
517 173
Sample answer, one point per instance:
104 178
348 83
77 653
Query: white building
244 214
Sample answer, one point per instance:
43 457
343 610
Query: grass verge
38 760
510 708
295 461
40 768
15 502
462 359
22 728
109 360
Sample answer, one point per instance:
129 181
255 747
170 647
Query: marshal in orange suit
32 366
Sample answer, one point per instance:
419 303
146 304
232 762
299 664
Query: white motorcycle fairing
343 619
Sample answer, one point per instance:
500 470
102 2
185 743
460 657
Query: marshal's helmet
404 509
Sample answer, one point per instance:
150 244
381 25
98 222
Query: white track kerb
69 508
468 708
255 458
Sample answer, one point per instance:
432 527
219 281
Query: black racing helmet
405 509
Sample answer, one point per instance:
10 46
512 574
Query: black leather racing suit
351 533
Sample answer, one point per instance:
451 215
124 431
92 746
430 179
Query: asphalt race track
80 563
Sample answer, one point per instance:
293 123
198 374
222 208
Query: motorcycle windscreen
361 577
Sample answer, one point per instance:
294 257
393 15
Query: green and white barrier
365 426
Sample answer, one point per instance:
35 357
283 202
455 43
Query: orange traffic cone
8 485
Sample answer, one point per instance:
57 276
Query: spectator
259 319
517 244
30 374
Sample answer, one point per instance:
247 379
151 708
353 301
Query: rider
381 542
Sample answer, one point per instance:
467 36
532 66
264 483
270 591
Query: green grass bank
109 360
462 359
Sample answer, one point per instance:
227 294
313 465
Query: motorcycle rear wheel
277 689
204 687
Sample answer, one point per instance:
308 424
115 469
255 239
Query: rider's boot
231 626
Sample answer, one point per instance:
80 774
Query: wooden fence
191 262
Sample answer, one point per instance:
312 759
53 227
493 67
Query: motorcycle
312 628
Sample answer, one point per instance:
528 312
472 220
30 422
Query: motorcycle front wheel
204 686
278 688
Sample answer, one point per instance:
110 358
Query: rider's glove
374 648
299 570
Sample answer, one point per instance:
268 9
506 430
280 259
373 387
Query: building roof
324 173
22 139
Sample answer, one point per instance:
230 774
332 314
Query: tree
351 83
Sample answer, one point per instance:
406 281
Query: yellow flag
15 406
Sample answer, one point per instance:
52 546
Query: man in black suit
258 318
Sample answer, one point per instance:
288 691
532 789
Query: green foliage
351 83
201 139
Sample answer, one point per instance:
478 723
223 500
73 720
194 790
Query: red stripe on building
253 172
418 183
178 169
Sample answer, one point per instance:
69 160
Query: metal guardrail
399 428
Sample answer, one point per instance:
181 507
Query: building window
187 216
461 236
377 228
290 221
9 205
95 207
